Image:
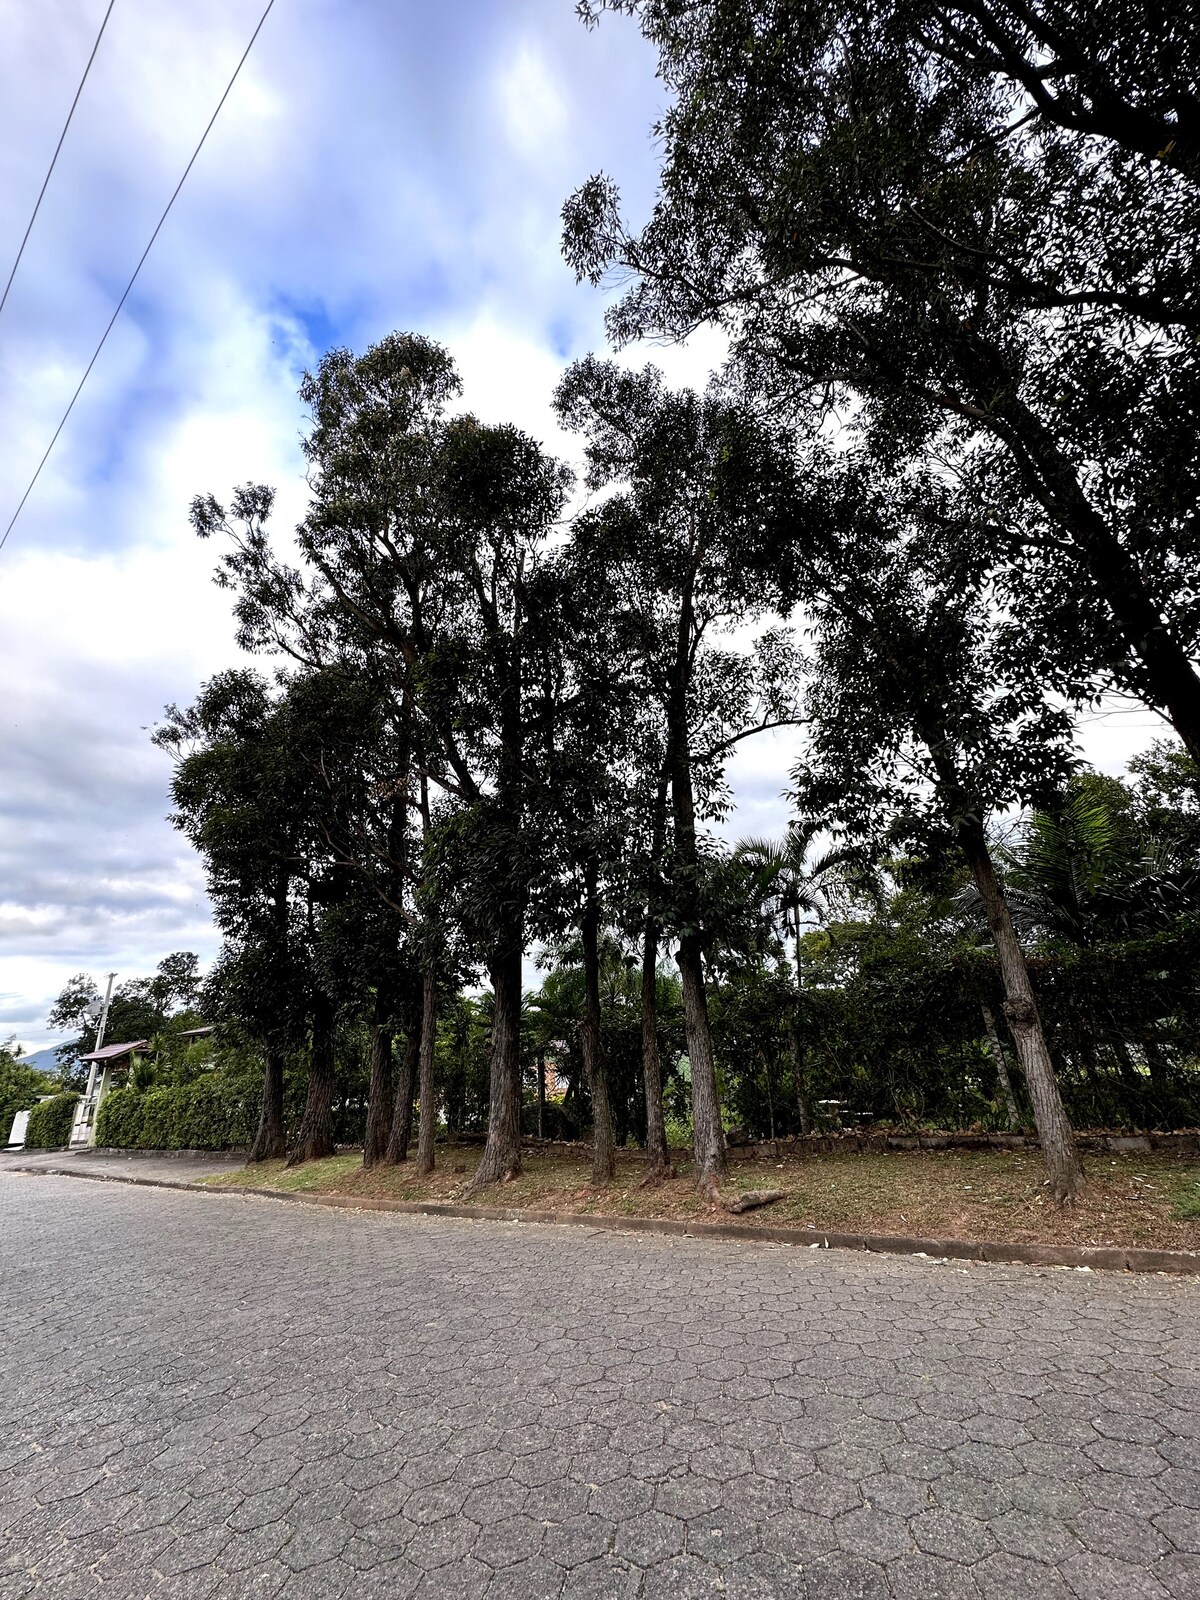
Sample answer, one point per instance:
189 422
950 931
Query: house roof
195 1033
111 1051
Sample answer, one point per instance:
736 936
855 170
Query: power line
158 227
54 158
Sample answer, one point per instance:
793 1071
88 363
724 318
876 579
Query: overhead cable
133 279
54 158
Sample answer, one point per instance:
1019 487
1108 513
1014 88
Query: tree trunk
708 1135
379 1096
1001 1065
541 1093
803 1098
270 1143
402 1109
314 1137
770 1096
604 1161
428 1128
502 1152
658 1156
1025 1025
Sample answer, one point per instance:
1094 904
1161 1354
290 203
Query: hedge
207 1114
210 1113
50 1123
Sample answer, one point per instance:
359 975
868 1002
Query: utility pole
104 1013
86 1110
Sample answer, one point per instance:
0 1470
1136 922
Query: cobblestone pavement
207 1395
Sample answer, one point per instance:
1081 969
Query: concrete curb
1118 1258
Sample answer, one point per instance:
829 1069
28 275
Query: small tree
792 883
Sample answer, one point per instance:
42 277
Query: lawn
975 1195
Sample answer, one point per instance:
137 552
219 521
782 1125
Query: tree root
309 1150
481 1181
659 1176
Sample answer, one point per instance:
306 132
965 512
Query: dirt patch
972 1195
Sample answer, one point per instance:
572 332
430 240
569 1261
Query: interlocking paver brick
1095 1577
929 1577
314 1404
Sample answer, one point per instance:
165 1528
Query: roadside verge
1118 1258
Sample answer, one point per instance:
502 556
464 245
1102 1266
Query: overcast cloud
379 165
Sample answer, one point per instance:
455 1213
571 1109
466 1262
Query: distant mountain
44 1060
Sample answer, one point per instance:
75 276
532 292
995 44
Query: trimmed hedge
50 1123
208 1114
212 1112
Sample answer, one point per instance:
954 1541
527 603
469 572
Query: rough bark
379 1095
997 1049
314 1137
604 1160
270 1143
427 1130
1021 1013
658 1156
402 1110
502 1152
708 1135
753 1198
541 1093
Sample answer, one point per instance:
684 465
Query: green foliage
50 1123
967 235
21 1088
1187 1205
139 1009
211 1113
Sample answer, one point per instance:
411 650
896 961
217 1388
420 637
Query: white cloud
535 113
375 167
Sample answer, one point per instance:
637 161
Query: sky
380 164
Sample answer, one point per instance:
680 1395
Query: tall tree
969 227
424 532
242 794
919 726
694 481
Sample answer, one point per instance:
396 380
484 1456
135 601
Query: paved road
206 1395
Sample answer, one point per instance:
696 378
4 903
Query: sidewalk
178 1166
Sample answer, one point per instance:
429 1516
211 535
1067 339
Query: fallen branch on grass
752 1199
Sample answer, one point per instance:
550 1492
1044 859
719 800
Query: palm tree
1082 876
793 884
1085 873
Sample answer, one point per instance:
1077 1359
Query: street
210 1395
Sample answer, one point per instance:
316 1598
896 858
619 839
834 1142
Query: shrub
50 1123
20 1090
210 1113
119 1119
216 1111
